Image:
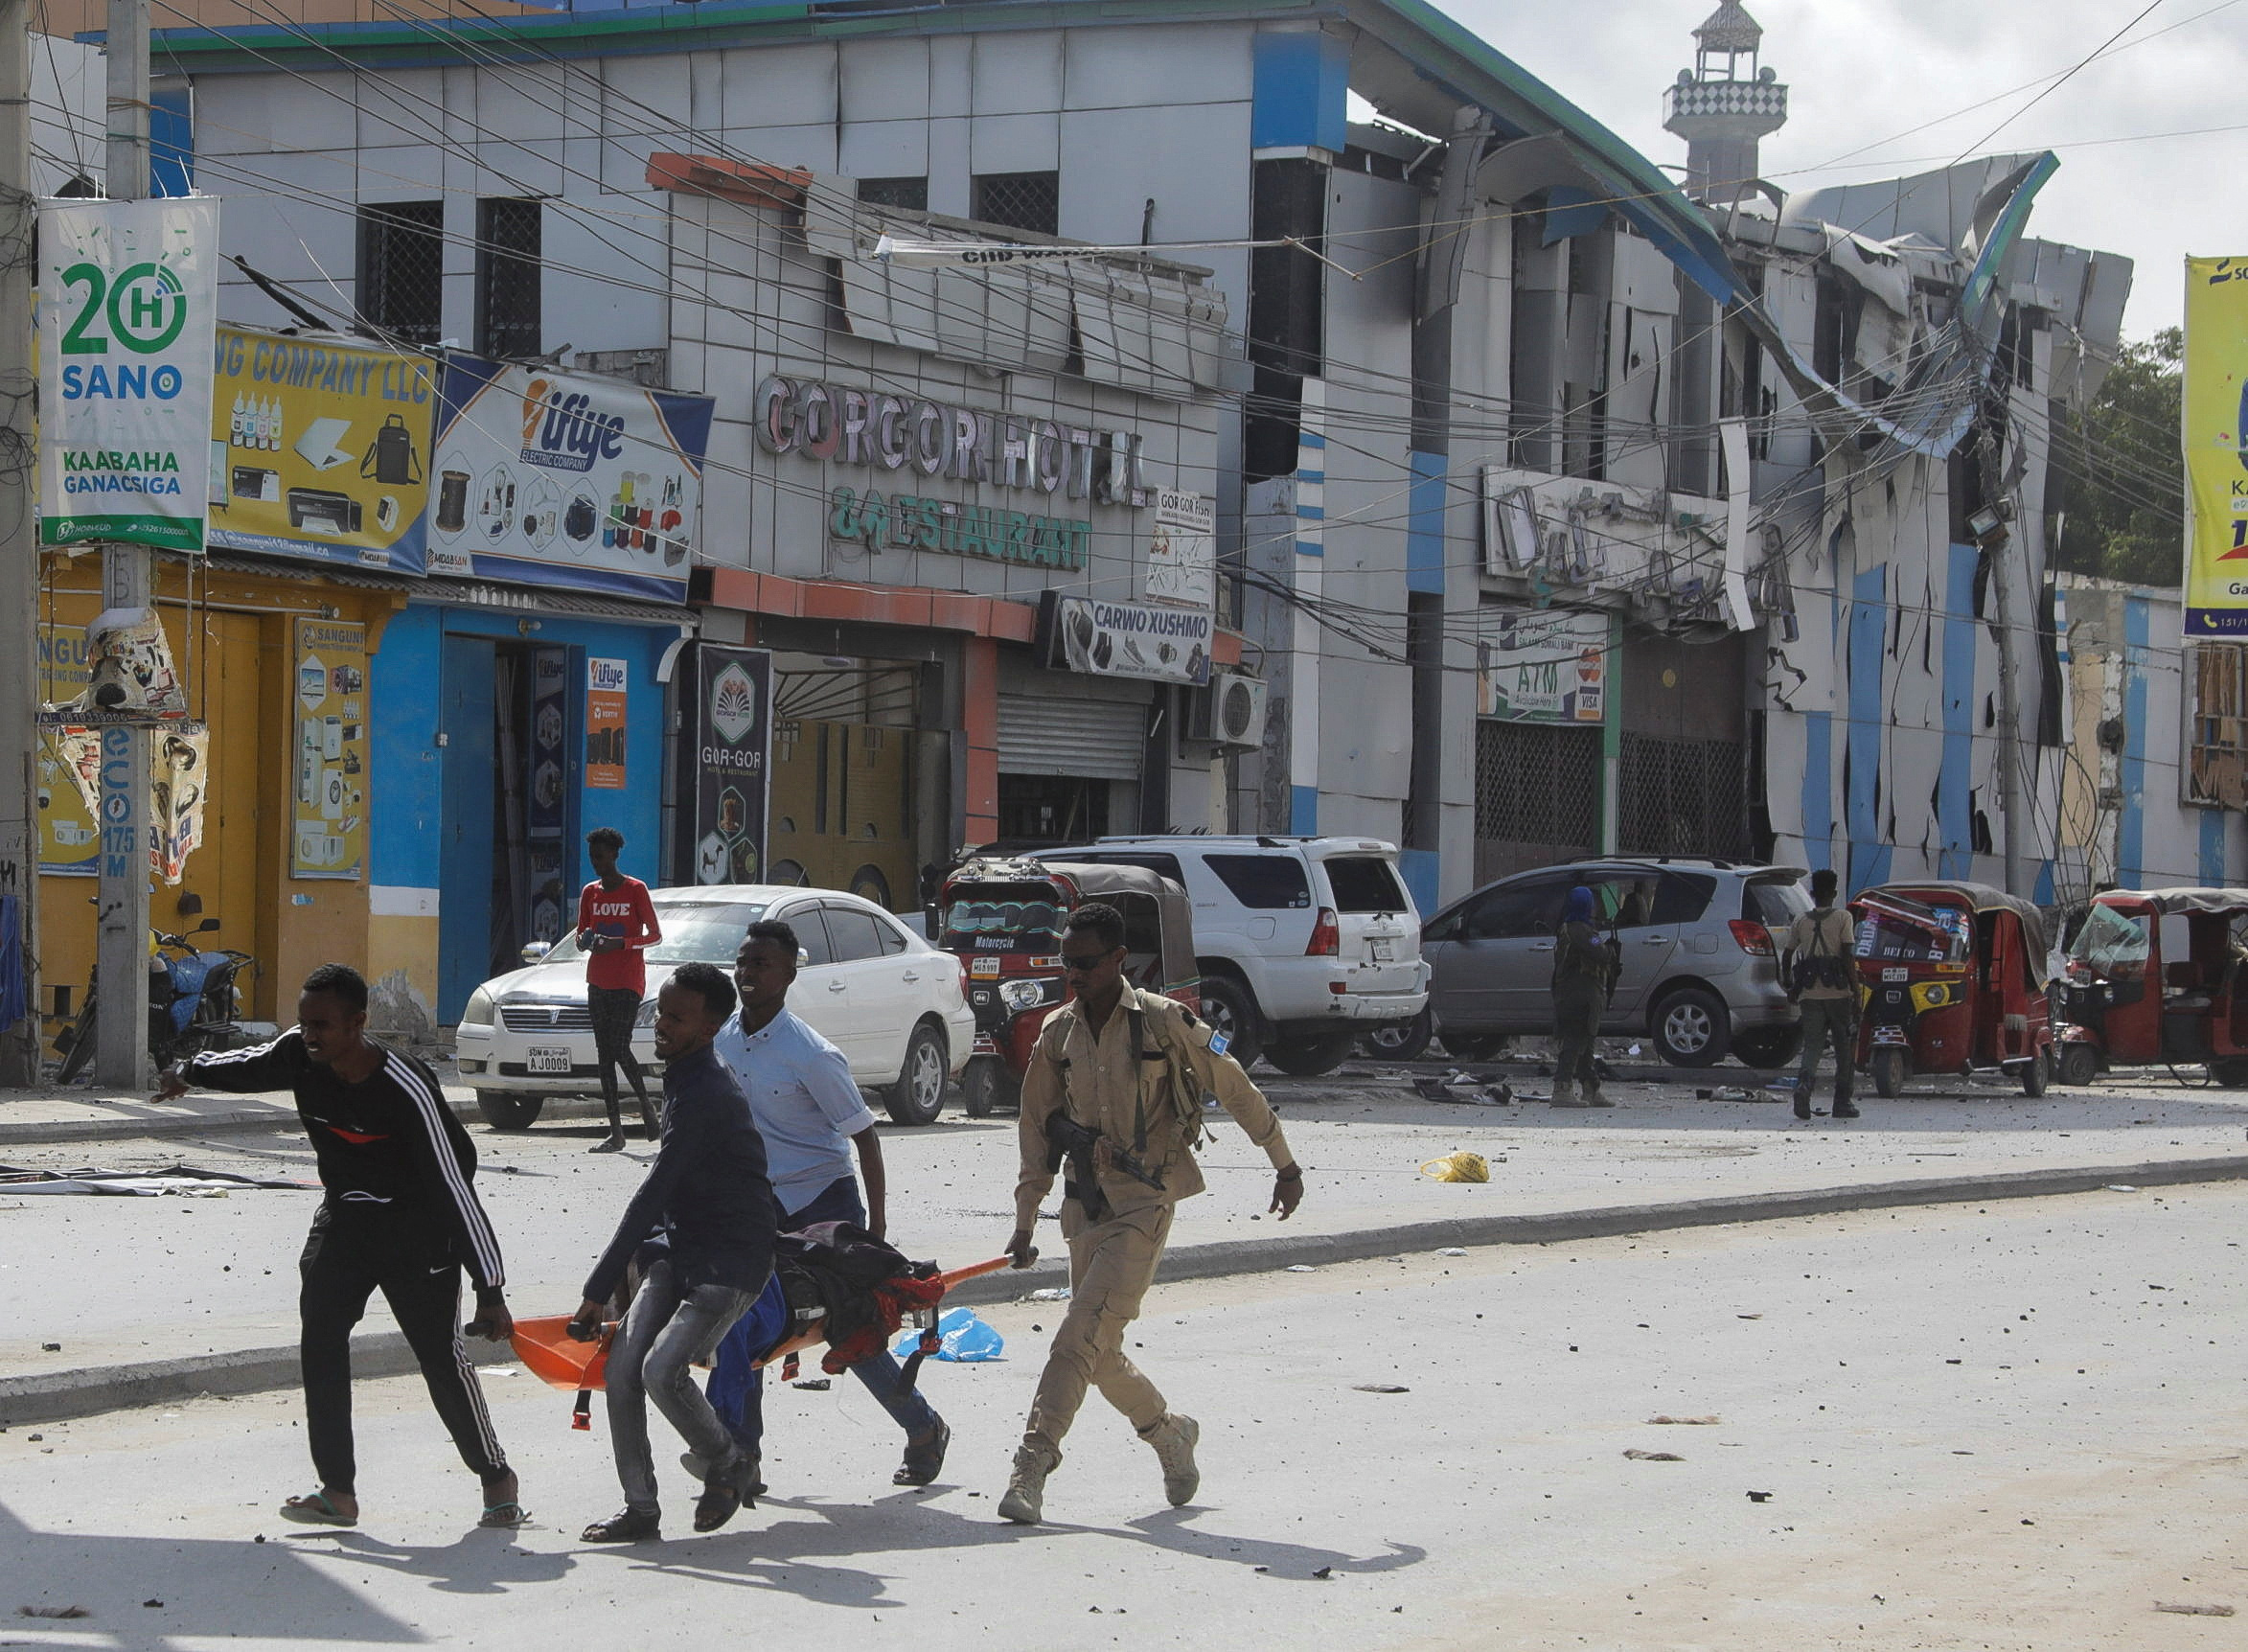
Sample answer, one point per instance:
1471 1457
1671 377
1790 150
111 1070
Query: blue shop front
521 694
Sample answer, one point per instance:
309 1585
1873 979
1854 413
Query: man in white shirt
812 1116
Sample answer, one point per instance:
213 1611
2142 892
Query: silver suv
1700 943
1305 943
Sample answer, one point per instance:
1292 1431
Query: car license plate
1384 951
546 1060
1889 1035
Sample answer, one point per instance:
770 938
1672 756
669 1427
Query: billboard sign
2216 447
1126 639
128 307
729 727
1548 665
321 447
551 478
1182 557
329 798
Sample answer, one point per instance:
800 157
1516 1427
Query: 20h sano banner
128 307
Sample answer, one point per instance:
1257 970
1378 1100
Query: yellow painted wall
230 641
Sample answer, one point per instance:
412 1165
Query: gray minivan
1699 939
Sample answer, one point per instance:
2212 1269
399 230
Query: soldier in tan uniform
1133 1067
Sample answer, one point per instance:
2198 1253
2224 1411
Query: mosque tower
1724 105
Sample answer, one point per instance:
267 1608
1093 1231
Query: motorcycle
194 1003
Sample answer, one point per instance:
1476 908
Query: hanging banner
329 795
322 447
1124 640
729 727
605 723
69 769
1546 666
128 306
553 478
1182 558
2216 447
179 760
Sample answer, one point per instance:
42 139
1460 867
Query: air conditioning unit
1229 712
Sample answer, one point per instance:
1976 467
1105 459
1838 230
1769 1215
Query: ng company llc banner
2216 447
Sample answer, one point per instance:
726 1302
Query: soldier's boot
1565 1093
1174 1438
1594 1097
1027 1487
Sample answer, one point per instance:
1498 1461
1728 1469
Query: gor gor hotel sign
909 436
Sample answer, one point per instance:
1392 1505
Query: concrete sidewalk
208 1287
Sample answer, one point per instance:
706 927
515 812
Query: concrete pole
121 1054
19 539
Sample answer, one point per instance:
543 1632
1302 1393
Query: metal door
465 822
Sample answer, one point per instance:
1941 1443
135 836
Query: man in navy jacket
703 1226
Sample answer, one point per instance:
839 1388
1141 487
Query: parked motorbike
194 1003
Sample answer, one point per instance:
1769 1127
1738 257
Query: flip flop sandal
504 1515
925 1459
315 1510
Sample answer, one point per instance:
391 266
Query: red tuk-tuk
1003 917
1953 977
2152 976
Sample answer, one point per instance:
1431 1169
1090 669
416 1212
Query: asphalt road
172 1276
2016 1428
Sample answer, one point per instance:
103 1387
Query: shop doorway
1041 811
851 778
508 796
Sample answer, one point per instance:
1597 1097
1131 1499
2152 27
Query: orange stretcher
551 1354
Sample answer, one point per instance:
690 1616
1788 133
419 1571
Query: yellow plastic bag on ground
1462 1166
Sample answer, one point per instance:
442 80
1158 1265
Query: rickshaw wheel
2037 1073
985 1086
2232 1073
1888 1072
2078 1064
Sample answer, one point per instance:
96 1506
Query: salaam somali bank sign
1045 465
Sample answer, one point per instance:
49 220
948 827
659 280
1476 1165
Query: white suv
1305 943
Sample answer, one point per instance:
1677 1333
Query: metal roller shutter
1089 739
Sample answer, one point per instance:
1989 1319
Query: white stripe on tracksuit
481 1238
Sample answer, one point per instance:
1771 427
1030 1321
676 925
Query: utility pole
19 537
121 1054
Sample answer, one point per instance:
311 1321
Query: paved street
211 1274
2012 1428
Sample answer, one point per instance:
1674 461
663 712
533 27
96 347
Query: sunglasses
1085 964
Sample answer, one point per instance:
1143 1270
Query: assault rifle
1067 1139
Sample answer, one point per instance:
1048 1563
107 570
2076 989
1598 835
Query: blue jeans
837 1201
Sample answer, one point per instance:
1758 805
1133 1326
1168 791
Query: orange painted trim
979 722
915 606
751 184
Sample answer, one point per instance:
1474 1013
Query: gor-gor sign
846 427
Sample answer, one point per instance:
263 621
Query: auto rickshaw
1003 917
2152 976
1954 977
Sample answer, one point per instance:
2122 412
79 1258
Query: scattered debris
1324 1572
2186 1608
180 1179
1638 1456
1300 1268
1381 1388
1460 1166
1686 1422
51 1612
1759 1496
1452 1251
1051 1293
813 1385
51 1348
157 1604
1731 1092
2120 1187
1747 1316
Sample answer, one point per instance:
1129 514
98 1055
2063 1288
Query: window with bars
911 193
506 278
2217 765
1682 798
402 271
1537 794
1020 200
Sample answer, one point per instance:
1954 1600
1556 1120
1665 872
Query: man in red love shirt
616 924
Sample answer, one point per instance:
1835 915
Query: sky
1865 70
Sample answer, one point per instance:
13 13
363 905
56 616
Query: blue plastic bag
963 1339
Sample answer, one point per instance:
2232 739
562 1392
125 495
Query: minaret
1724 105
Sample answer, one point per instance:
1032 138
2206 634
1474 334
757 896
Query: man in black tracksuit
400 1216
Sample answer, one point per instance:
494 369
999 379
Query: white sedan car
890 1001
